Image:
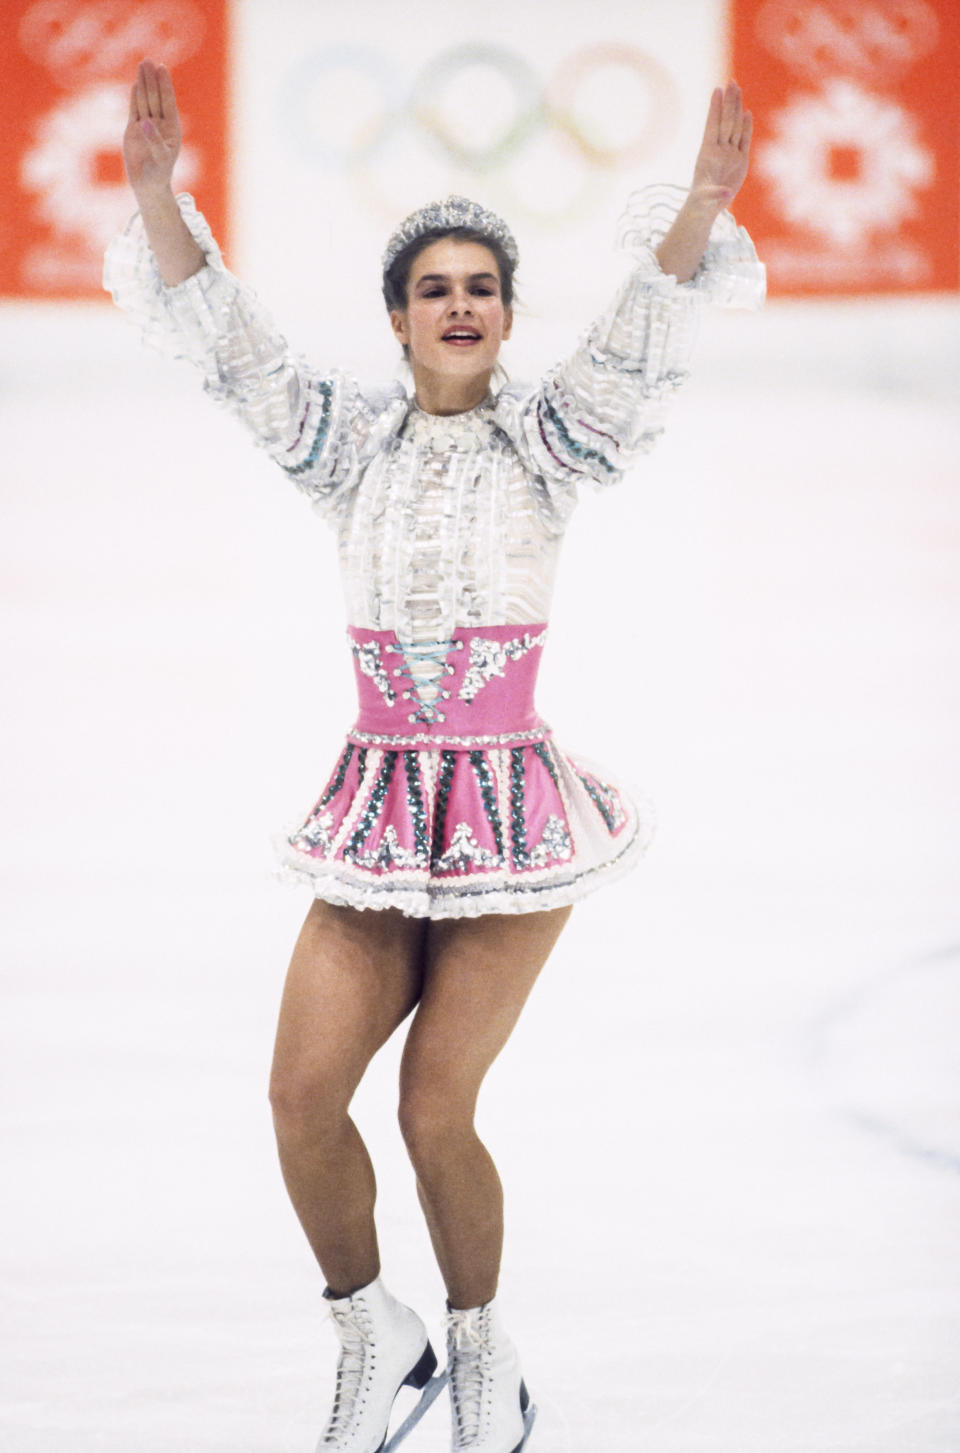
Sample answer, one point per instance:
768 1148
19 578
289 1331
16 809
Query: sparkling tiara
444 216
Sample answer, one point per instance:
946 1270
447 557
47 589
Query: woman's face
454 321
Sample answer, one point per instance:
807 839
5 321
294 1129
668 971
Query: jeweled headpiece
444 217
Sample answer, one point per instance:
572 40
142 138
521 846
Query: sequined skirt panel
441 822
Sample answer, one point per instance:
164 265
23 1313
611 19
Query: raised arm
151 144
596 412
166 272
718 175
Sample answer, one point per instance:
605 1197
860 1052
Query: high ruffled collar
457 432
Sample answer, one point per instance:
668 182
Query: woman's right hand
151 142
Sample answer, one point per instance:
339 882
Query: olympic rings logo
848 37
481 109
105 38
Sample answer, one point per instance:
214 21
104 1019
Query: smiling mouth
461 337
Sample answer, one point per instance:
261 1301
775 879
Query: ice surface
728 1122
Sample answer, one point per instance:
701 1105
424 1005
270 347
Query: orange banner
66 68
855 184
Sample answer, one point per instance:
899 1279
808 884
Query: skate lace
468 1353
355 1332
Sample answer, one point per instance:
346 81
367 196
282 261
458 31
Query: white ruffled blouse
446 521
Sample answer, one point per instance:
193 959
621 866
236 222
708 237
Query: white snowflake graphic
891 163
61 167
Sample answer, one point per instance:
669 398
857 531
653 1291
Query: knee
306 1101
430 1118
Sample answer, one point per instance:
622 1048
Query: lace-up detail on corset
355 1370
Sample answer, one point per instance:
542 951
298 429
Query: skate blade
530 1412
430 1393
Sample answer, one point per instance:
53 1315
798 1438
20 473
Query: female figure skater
451 811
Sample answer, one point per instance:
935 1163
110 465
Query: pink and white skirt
450 797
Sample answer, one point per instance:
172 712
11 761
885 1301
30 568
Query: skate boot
491 1409
383 1347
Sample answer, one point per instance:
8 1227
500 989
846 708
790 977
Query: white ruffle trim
730 274
178 321
417 903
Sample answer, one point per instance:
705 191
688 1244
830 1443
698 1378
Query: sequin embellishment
535 736
481 767
543 752
418 812
447 763
555 842
451 433
606 800
371 664
518 832
372 809
488 658
339 777
389 853
579 451
325 388
317 831
464 849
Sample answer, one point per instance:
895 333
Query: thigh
477 976
354 976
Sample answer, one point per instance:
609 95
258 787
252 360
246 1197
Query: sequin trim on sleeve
318 428
597 413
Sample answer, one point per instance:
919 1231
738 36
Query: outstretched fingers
152 88
711 131
154 91
747 132
168 99
725 116
143 99
731 120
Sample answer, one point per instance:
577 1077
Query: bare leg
478 974
353 978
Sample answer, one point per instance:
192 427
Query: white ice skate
491 1411
383 1347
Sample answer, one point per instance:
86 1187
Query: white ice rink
729 1122
728 1125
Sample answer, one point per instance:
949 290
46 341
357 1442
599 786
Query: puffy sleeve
318 429
595 414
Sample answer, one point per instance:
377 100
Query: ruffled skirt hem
458 834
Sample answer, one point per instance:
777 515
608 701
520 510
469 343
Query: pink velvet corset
474 689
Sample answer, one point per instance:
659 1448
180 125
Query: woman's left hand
721 165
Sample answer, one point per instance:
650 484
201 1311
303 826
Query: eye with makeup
480 290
